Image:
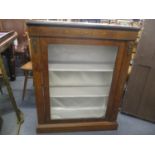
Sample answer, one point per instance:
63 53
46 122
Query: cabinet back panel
81 53
80 75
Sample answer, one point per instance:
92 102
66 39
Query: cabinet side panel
38 79
44 55
119 78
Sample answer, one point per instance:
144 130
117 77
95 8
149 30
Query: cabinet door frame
119 75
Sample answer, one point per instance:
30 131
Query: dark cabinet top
81 25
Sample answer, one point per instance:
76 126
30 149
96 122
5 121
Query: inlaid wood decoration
79 71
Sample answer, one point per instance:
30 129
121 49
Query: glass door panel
80 77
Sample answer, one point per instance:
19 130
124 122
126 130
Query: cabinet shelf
79 102
81 67
79 91
74 113
80 78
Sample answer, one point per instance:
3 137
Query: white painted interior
80 78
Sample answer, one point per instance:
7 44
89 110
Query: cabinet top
81 25
94 31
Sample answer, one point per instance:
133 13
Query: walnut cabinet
79 71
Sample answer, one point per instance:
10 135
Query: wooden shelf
79 91
74 113
81 67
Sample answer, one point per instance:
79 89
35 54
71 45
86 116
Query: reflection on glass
80 78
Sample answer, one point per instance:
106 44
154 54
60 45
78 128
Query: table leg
11 62
10 92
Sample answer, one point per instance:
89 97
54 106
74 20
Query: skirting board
82 126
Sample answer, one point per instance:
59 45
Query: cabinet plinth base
82 126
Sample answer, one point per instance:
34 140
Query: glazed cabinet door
79 78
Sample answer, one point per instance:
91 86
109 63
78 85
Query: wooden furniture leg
25 83
1 90
19 114
11 62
